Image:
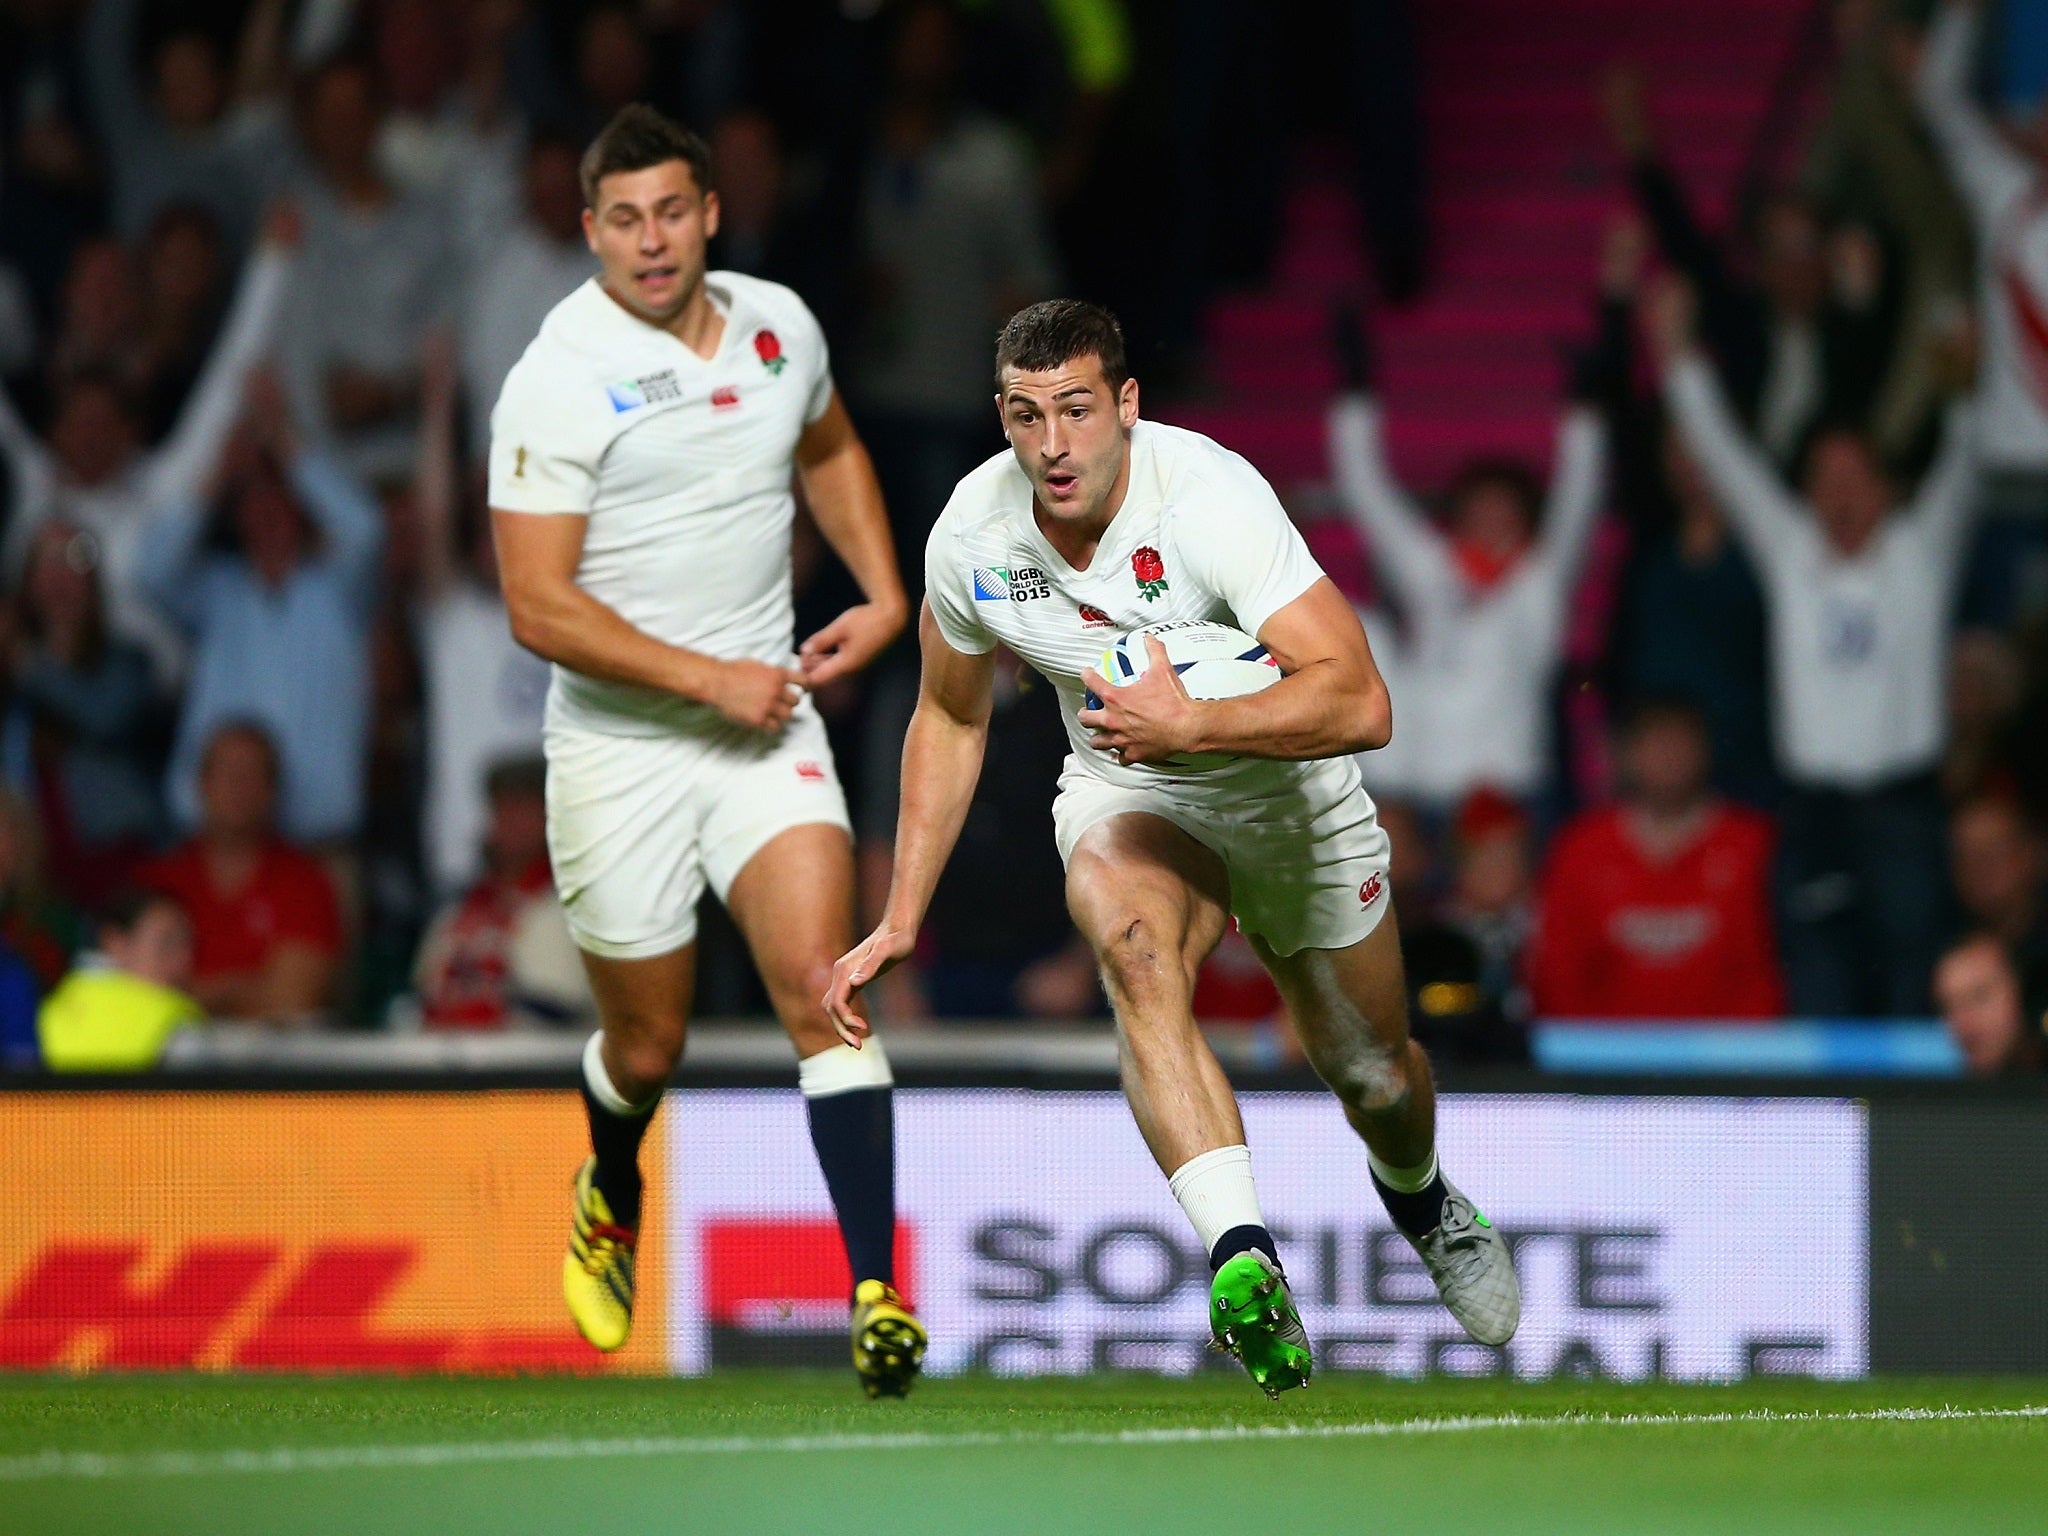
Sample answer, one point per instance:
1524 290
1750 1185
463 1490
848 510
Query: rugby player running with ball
1123 523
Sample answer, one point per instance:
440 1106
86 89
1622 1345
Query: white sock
600 1082
1407 1181
842 1069
1217 1192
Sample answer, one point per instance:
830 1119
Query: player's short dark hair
638 138
1058 331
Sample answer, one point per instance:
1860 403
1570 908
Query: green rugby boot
1252 1316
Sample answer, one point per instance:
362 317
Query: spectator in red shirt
265 922
1659 906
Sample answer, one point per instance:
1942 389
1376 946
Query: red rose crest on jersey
810 772
1150 571
1369 892
769 350
1095 618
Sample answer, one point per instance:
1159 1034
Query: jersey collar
630 325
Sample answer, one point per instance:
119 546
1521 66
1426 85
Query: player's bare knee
641 1061
1139 960
797 994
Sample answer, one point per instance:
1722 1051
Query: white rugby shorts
638 825
1307 860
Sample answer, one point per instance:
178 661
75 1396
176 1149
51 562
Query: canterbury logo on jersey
655 389
1010 584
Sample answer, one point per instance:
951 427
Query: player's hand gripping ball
1213 661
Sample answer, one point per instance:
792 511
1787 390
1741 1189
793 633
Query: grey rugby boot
1473 1270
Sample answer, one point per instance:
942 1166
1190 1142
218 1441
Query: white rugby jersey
1200 535
684 467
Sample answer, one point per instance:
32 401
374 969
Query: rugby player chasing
642 456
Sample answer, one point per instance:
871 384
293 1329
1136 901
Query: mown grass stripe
46 1465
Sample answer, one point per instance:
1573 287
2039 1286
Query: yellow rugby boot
597 1271
888 1340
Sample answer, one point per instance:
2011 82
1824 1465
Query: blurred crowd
268 750
1819 666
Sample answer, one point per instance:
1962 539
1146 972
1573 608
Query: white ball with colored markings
1214 661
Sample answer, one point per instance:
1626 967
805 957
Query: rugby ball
1214 661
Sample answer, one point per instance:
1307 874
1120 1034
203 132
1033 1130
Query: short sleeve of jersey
820 397
540 460
1235 538
947 590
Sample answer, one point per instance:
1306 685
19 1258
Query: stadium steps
1522 185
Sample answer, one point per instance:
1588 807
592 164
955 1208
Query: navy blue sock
855 1136
1242 1240
616 1138
1417 1212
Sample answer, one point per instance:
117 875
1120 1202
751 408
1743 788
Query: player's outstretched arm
942 754
845 500
1330 702
557 620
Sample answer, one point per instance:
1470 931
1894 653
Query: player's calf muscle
1368 1076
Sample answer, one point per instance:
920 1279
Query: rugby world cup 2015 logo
1010 583
1150 572
661 388
768 348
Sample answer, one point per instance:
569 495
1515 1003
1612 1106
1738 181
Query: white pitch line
46 1465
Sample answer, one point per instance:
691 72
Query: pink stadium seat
1522 184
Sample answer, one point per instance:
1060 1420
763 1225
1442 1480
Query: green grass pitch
759 1454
